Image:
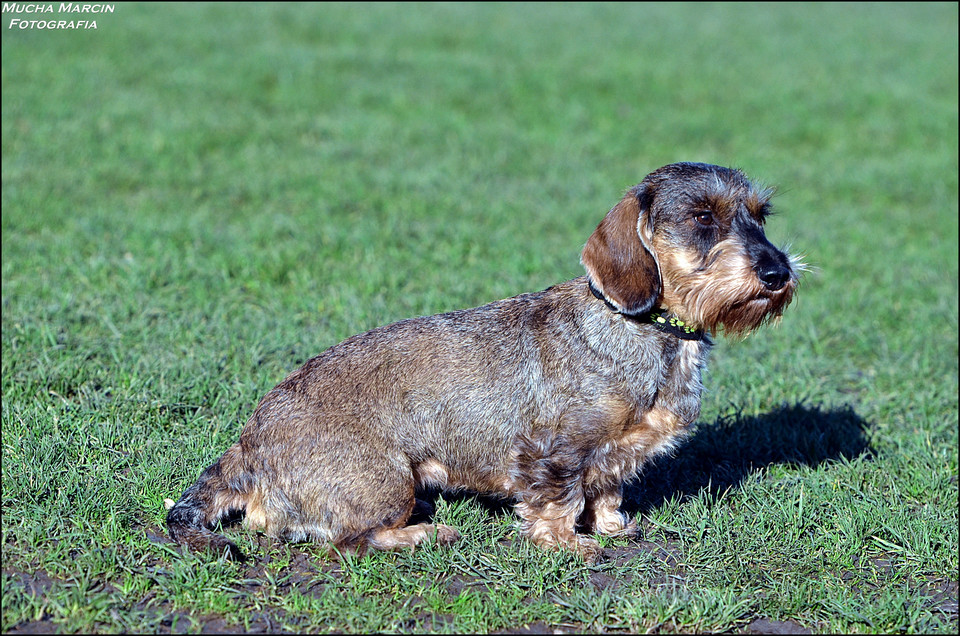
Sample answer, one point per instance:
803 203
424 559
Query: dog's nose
774 276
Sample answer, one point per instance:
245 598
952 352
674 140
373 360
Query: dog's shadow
719 456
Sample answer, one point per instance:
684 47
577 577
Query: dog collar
659 318
663 321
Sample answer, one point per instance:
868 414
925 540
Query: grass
198 198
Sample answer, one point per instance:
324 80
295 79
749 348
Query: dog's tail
190 520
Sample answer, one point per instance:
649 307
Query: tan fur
432 474
724 294
412 536
605 516
552 399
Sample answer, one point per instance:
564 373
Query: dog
551 399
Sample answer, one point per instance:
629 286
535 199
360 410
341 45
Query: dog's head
689 239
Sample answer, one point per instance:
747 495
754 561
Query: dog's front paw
628 529
589 549
615 524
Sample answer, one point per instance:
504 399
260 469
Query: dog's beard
726 293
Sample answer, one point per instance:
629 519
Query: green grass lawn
198 198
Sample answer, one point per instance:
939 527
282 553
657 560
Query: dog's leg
332 478
412 536
602 515
554 526
546 478
381 506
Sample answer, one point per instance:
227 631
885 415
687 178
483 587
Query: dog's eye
704 218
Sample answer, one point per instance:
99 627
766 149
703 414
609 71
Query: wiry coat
552 399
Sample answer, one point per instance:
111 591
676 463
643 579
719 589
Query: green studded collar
673 325
659 318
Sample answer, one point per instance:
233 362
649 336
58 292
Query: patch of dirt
943 598
602 581
164 620
44 626
35 584
424 623
260 623
535 628
765 626
456 584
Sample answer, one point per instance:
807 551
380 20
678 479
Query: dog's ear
618 263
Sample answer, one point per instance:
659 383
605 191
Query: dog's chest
666 374
663 406
682 384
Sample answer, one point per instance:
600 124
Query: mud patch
765 626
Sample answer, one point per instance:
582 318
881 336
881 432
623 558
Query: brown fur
552 399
